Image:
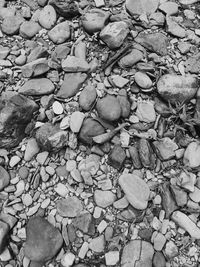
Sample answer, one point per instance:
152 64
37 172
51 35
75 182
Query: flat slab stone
37 87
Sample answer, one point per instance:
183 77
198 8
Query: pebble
146 112
109 108
57 108
4 178
191 156
143 80
45 203
20 187
27 200
61 190
32 149
67 259
47 17
42 157
71 165
139 7
36 87
69 207
21 60
97 244
104 199
87 97
76 121
112 258
60 33
169 8
29 29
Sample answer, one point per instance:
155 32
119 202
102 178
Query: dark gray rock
159 259
87 97
15 113
147 156
43 240
4 229
65 8
4 178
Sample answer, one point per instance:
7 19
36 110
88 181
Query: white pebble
14 161
67 259
57 108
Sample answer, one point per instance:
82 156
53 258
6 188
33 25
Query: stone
94 20
60 33
14 161
67 259
195 196
104 199
15 114
75 64
37 52
154 42
180 195
35 68
65 8
69 207
134 154
47 17
172 87
4 229
97 244
165 148
119 81
27 200
29 29
87 97
57 108
171 250
71 84
4 178
23 172
192 63
131 58
32 149
117 157
143 80
51 138
191 157
159 241
108 108
124 103
4 52
139 7
112 258
84 223
169 8
76 121
61 190
11 25
20 60
37 87
7 12
159 259
114 34
168 202
142 256
174 28
89 129
8 219
43 240
42 157
145 111
136 190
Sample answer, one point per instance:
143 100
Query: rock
168 203
84 223
159 241
7 12
119 81
165 148
192 63
75 64
29 29
36 87
134 154
61 189
15 114
114 34
4 229
97 244
20 60
89 129
57 108
136 190
154 42
131 58
195 196
4 178
35 68
112 258
37 52
14 161
50 138
94 20
145 111
124 103
159 259
11 25
143 80
186 223
69 207
146 154
67 9
87 97
108 108
23 172
172 87
142 256
71 84
60 52
4 52
139 7
8 219
180 195
191 157
32 149
76 121
171 250
43 240
104 199
67 259
169 8
42 157
117 157
60 33
47 17
174 28
27 200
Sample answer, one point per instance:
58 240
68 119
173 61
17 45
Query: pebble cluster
99 133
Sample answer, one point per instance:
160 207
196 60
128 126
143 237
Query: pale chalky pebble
76 121
57 108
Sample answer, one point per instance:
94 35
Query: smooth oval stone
139 7
11 25
60 33
29 29
191 156
87 97
104 199
109 108
41 86
179 88
76 121
143 80
136 190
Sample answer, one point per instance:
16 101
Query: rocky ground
99 133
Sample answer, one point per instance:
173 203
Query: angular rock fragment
69 207
60 33
117 157
146 154
35 68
